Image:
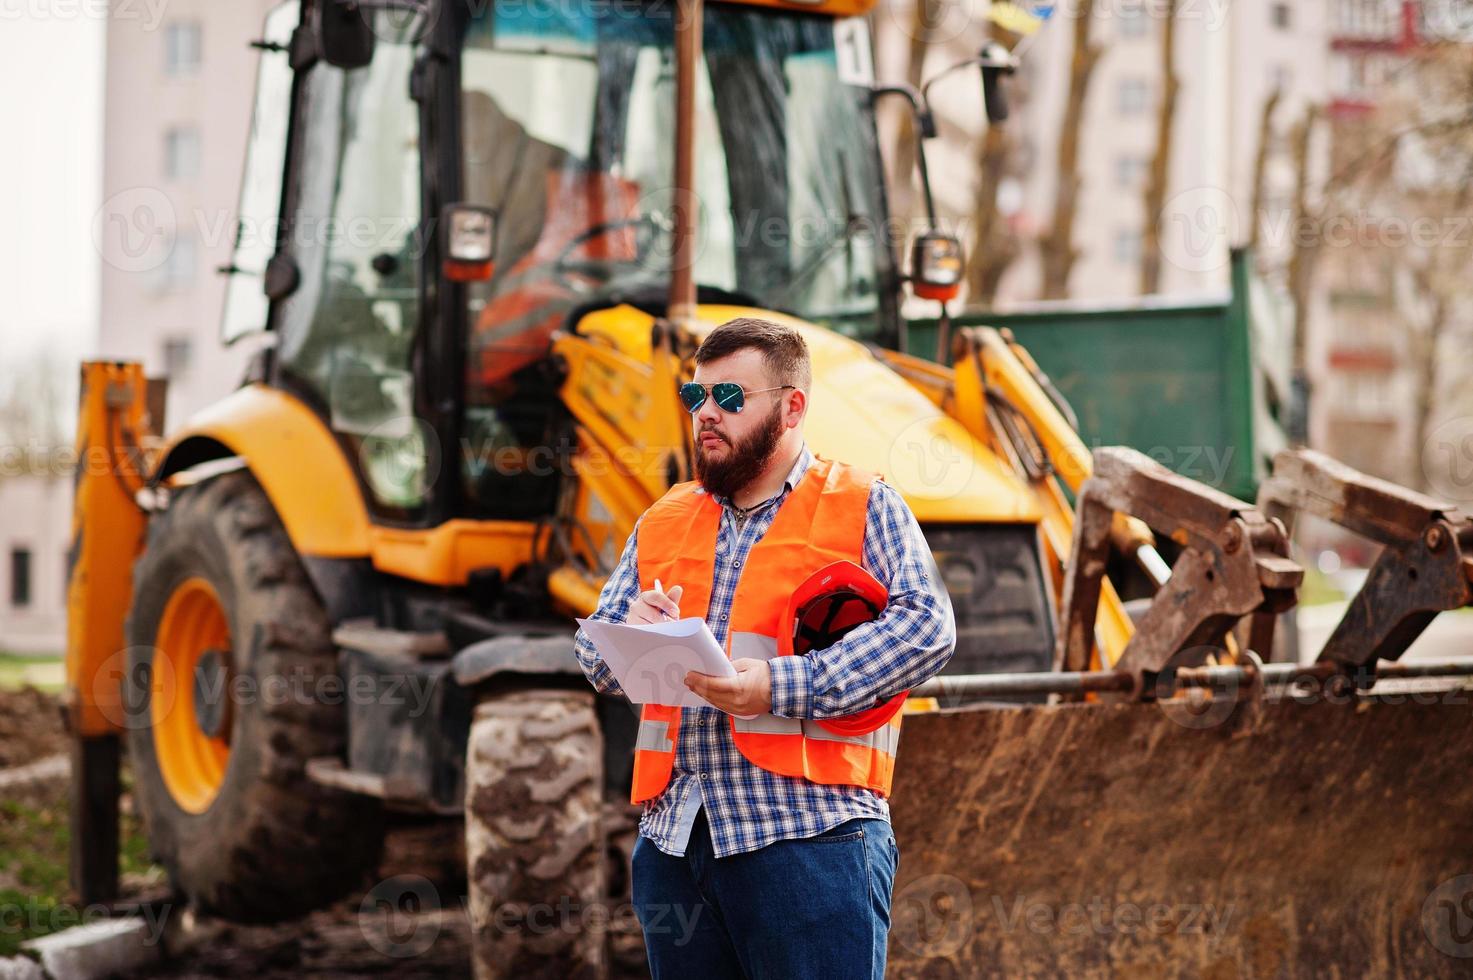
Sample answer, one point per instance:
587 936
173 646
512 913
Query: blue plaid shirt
748 807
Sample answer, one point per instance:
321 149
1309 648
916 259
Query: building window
176 356
1130 171
1279 14
1133 96
179 267
1133 20
1128 247
20 577
181 153
182 48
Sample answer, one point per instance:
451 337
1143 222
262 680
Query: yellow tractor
482 241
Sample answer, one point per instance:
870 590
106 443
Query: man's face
732 448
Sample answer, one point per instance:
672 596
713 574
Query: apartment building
176 118
176 109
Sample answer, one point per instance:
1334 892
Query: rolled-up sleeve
910 642
618 594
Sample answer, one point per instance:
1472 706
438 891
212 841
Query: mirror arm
925 129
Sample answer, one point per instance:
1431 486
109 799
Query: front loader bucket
1329 836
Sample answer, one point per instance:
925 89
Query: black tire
535 849
272 844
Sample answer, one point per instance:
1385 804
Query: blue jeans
810 907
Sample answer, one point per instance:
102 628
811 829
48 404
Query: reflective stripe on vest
754 646
821 521
654 736
885 739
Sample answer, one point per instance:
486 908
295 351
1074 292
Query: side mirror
469 243
996 61
344 35
936 266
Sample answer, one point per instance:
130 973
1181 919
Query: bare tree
924 17
1306 243
1059 252
33 412
1260 165
1401 186
1160 176
995 242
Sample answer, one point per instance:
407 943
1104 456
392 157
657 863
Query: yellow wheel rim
191 760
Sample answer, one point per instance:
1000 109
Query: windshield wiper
853 224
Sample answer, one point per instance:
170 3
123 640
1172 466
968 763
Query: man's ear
796 407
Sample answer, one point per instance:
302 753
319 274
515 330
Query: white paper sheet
650 662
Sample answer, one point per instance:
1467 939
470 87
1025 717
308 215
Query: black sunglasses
730 396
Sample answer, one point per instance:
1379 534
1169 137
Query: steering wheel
602 271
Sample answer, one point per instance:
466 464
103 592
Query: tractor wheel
535 855
230 688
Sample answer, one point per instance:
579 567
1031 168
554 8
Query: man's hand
654 606
748 693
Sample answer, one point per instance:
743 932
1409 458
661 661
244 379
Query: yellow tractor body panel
865 414
297 462
448 553
107 535
304 472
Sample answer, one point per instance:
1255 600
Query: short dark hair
782 347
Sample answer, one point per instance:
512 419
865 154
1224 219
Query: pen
661 588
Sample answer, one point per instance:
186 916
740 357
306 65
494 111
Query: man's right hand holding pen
655 606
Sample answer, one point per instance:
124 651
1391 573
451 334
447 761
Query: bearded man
765 847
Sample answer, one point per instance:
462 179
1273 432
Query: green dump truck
1202 385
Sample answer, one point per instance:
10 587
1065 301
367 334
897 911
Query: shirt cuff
792 686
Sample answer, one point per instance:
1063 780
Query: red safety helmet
831 602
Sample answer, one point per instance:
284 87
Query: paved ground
1450 635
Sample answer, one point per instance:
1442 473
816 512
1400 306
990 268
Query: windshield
568 133
574 104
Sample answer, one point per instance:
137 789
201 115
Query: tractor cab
555 122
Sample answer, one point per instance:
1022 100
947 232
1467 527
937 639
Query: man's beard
744 461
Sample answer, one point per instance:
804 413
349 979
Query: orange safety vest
821 521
